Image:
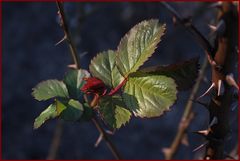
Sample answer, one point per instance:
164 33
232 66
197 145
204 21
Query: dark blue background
30 31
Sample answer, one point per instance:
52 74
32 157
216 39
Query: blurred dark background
30 31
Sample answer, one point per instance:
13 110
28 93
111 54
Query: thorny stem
187 115
219 106
67 35
109 143
102 132
192 29
73 50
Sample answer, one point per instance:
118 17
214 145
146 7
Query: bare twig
55 141
187 116
75 58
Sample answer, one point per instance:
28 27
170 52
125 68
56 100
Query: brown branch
192 29
109 143
219 106
103 134
187 116
74 55
221 57
67 35
55 141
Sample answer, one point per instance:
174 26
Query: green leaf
49 89
60 107
138 45
113 111
72 110
149 95
48 113
184 73
74 81
103 67
87 113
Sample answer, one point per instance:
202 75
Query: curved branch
75 58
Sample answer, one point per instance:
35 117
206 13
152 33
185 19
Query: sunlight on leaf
138 45
48 113
49 89
149 95
113 111
103 67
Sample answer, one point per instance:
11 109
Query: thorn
208 90
220 87
200 146
212 27
64 38
203 133
109 132
73 66
216 5
230 80
213 122
219 28
100 138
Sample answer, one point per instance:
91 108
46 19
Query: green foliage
138 45
65 106
74 81
72 110
103 66
149 95
114 111
87 113
184 73
48 113
49 89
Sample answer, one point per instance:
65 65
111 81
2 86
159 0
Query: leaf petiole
115 90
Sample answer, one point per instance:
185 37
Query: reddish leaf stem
115 90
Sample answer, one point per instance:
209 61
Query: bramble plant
115 88
115 84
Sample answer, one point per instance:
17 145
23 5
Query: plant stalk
75 58
187 115
67 35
